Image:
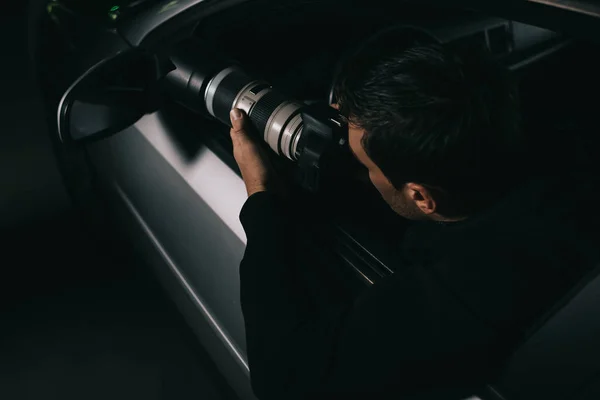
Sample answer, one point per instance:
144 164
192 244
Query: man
497 241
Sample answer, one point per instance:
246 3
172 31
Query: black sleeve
402 333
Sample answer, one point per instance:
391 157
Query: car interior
297 46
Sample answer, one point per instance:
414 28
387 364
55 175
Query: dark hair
434 114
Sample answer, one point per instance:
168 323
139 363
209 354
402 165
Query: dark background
77 320
30 183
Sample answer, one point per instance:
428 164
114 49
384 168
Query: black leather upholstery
561 359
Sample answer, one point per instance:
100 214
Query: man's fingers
237 121
238 127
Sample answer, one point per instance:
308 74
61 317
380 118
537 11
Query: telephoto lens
313 136
206 82
277 120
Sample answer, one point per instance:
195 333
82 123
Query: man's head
437 128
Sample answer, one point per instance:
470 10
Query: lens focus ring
226 93
262 110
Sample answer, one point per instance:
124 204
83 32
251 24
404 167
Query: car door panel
188 209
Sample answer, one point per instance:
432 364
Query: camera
314 136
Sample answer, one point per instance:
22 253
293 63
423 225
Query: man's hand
253 163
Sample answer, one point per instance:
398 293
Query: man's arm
276 310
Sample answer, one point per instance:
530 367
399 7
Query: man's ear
422 197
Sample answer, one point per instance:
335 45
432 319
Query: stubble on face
400 201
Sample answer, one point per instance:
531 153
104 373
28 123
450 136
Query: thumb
237 121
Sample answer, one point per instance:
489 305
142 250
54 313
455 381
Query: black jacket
440 326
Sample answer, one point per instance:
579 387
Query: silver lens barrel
280 128
211 90
277 119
